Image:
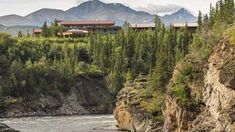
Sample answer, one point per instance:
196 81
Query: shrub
152 102
180 92
230 33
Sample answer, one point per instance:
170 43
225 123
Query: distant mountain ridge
182 15
12 20
94 10
14 30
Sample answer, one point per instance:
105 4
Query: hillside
14 30
42 15
15 20
97 10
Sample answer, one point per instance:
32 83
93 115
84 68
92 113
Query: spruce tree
28 34
199 20
20 34
212 15
45 30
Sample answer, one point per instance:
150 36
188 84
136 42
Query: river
90 123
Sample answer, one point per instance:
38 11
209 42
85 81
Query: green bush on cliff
184 72
179 88
179 91
230 33
152 102
188 76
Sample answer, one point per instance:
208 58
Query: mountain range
94 10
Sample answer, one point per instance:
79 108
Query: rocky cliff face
216 108
135 119
129 114
219 90
206 101
88 96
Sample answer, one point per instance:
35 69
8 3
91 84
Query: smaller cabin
192 27
37 32
74 33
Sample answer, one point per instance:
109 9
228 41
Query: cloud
81 1
159 9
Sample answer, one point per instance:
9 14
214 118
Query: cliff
199 97
210 106
129 112
88 96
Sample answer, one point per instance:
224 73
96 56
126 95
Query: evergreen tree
28 34
126 25
45 30
205 23
185 40
199 21
55 29
157 22
115 78
230 10
20 34
212 15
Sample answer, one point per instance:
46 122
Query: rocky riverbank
88 96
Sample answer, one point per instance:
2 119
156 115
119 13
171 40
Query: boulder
5 128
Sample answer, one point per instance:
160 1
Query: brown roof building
84 28
87 23
142 26
91 26
192 27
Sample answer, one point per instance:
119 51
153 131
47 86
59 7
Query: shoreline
98 122
55 115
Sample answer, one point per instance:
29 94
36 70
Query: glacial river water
91 123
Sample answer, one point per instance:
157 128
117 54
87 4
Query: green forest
31 66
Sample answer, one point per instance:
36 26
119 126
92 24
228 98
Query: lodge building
141 27
85 28
192 27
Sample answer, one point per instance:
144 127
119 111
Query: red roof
87 22
37 30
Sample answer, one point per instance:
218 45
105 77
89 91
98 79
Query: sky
25 7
